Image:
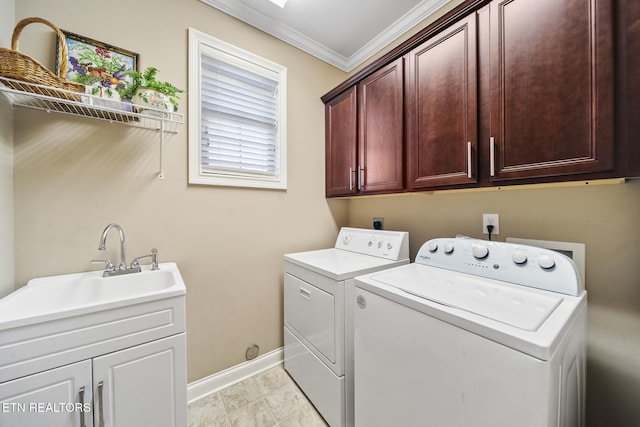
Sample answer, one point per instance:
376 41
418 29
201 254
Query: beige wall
73 176
7 19
604 217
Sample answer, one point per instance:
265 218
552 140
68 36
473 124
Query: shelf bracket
161 172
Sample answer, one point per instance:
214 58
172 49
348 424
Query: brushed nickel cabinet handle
101 405
469 159
350 179
81 398
492 155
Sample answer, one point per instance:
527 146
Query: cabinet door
144 385
58 397
380 130
442 108
341 143
551 87
630 85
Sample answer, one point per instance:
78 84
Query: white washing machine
318 314
474 333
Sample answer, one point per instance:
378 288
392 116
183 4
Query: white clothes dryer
318 314
474 333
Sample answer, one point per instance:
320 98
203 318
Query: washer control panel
509 262
392 245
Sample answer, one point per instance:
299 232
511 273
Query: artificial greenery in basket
147 79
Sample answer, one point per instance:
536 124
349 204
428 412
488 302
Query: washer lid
502 302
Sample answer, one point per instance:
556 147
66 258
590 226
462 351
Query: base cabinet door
59 397
551 88
144 385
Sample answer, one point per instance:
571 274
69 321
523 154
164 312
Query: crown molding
295 38
395 30
283 32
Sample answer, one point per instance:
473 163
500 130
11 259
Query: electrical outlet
378 223
491 219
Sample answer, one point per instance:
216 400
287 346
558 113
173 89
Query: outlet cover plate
491 219
380 220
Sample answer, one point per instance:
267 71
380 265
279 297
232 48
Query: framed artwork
94 63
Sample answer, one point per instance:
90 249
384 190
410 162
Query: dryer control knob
479 251
379 244
346 239
389 245
448 248
433 246
519 257
546 262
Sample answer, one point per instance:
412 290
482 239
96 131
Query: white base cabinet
81 350
144 385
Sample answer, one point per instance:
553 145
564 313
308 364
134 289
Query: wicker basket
18 66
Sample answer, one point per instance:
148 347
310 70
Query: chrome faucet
122 267
123 244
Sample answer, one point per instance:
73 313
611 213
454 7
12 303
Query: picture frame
94 63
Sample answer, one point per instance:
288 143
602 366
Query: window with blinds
237 134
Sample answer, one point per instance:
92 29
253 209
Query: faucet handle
108 264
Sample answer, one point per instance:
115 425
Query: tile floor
267 399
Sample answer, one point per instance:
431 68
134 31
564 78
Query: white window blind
240 118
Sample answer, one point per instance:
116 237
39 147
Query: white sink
88 313
48 298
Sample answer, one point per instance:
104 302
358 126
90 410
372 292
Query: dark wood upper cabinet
551 88
442 108
629 84
380 130
495 92
341 142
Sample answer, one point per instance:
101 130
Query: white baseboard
205 386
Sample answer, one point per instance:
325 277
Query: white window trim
198 42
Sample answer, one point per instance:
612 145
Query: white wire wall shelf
50 99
